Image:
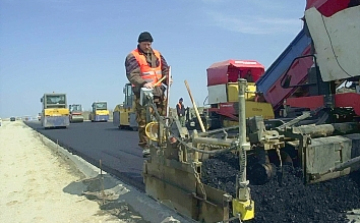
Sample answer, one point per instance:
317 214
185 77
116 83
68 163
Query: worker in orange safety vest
144 67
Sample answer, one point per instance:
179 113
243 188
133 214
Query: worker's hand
148 85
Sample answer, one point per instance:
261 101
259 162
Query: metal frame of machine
55 114
172 174
323 141
175 155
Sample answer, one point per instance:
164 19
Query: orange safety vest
149 74
179 105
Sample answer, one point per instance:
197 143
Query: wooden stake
194 105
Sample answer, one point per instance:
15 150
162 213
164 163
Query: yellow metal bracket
246 209
151 131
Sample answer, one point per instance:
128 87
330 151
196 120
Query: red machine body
310 101
229 71
328 7
224 72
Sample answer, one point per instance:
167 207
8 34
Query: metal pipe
213 141
204 151
328 129
243 194
295 120
196 154
193 103
350 163
242 127
218 130
168 95
242 119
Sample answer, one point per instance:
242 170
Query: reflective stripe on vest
149 74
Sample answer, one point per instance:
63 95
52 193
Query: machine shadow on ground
110 196
120 130
113 129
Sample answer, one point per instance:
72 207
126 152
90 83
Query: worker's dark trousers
182 120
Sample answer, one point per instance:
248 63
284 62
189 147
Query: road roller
76 113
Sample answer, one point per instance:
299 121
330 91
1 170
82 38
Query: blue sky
78 47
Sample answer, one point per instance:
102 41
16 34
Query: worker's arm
133 71
178 110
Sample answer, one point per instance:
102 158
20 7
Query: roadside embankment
42 182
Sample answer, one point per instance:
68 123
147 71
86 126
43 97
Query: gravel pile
292 201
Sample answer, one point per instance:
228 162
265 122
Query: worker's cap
181 99
145 37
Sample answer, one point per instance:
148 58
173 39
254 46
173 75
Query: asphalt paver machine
323 150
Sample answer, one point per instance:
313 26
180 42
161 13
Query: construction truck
124 116
223 92
323 140
99 112
76 113
55 113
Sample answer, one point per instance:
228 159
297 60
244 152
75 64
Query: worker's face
145 46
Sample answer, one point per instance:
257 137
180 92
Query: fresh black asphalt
117 149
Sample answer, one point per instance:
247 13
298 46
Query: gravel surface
293 201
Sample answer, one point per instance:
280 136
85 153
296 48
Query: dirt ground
33 179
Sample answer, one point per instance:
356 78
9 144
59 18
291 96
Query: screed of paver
32 182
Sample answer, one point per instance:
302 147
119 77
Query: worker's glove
180 115
148 85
